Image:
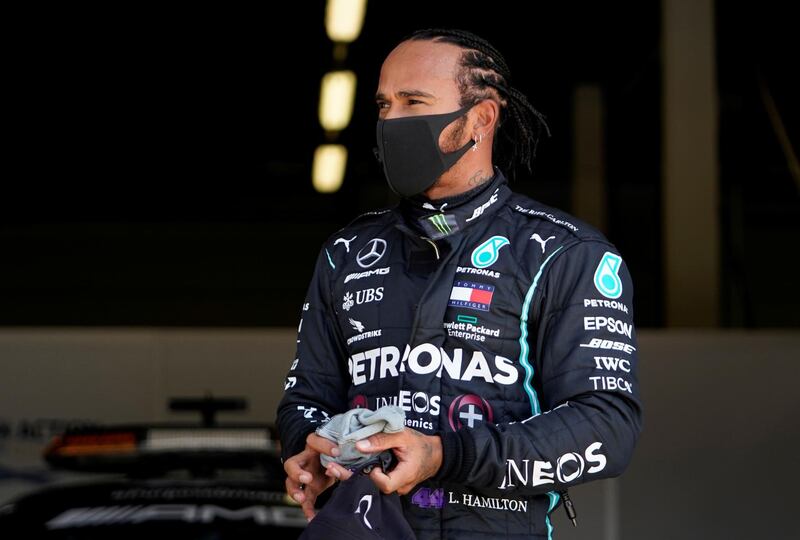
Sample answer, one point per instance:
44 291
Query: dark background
160 161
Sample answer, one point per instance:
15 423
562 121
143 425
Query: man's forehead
426 65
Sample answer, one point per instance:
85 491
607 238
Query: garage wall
718 457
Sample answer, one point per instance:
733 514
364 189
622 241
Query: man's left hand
419 457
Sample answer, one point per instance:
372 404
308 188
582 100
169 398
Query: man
502 327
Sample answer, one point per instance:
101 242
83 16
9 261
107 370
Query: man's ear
485 116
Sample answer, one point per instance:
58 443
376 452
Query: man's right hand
306 478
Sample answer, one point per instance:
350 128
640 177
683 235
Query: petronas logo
485 255
440 222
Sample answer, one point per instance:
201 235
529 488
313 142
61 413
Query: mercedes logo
371 252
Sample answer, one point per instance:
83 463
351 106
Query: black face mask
408 147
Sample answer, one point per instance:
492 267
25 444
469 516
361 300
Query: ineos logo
371 252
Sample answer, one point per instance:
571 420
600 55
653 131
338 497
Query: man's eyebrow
406 93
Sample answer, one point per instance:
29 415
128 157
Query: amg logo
187 513
368 273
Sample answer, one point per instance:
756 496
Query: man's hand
305 479
419 457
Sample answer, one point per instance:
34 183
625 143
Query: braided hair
484 74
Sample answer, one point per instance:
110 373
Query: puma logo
368 500
539 239
345 242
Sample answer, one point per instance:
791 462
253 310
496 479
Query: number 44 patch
428 498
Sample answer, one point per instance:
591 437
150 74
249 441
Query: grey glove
354 425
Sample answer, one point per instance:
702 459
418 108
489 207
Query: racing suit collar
444 217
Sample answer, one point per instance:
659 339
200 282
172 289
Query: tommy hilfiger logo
467 294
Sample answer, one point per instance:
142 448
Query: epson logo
368 273
569 467
615 326
426 359
187 513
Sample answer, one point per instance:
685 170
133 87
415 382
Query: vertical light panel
344 19
337 95
327 172
690 188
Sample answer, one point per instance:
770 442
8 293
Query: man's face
418 78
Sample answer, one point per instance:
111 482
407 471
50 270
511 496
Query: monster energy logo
440 223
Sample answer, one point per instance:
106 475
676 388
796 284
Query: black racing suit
502 325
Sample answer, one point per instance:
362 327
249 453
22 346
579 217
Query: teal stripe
330 261
553 502
523 338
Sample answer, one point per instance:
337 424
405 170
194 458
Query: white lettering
612 325
478 211
551 217
609 304
389 358
427 358
478 367
592 457
597 343
569 467
433 364
368 273
611 383
477 271
612 364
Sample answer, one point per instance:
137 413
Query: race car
191 481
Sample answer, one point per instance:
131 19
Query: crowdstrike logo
358 326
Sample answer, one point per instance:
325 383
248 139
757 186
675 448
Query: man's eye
382 105
415 102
